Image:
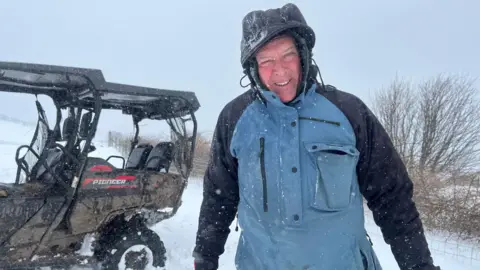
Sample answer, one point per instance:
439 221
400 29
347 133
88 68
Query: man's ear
254 76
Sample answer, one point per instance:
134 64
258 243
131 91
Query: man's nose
279 68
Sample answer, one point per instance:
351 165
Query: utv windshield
37 145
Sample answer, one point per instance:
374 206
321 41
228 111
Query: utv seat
55 156
138 157
160 157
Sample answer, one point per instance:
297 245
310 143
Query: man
293 158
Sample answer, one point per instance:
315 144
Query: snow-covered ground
178 233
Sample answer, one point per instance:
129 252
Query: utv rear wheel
135 249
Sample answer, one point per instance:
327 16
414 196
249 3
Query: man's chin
286 98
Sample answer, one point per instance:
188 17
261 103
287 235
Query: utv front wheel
140 249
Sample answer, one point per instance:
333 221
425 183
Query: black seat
138 157
55 156
160 157
68 129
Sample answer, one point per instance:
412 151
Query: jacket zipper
262 170
320 120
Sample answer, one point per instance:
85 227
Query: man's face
279 67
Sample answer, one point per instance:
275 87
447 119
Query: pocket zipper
319 120
263 173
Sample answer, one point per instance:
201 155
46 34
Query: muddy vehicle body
66 196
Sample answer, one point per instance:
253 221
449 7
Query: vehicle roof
78 86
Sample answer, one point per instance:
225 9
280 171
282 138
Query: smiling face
279 67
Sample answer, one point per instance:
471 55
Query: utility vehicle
65 195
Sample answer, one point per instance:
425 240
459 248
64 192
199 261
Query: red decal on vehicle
101 168
126 177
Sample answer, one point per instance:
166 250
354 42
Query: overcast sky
194 45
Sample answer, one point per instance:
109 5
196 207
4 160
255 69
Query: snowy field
178 233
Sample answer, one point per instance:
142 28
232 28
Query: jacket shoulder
233 110
340 97
352 106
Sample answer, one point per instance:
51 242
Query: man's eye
266 62
290 56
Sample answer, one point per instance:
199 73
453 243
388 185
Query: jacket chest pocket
335 175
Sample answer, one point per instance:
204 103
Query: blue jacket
296 176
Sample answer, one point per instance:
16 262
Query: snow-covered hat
260 26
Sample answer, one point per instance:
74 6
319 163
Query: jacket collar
273 99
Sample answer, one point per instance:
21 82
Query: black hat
260 26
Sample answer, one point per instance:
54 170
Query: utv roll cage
82 89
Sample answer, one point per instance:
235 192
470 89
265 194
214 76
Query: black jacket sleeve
386 185
220 187
389 193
